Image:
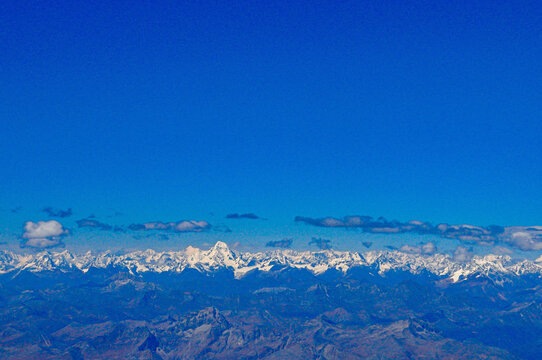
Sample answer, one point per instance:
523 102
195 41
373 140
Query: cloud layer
421 249
180 226
92 223
243 216
322 244
284 243
368 224
43 234
57 212
527 238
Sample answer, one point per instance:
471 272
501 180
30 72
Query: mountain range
220 256
281 304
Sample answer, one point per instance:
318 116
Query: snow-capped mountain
221 257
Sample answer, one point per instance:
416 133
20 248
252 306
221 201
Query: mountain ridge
220 256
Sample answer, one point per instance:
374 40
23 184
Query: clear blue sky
176 110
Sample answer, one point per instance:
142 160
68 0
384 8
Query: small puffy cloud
43 234
43 229
192 225
92 223
525 238
284 243
180 226
322 244
429 248
422 249
190 250
539 259
409 249
57 212
462 254
251 216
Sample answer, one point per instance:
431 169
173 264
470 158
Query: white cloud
180 226
423 249
190 250
42 243
43 234
526 240
43 229
429 248
462 254
191 225
410 249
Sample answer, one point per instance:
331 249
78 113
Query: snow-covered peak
220 256
220 252
220 246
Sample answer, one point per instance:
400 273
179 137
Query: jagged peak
220 251
220 246
221 256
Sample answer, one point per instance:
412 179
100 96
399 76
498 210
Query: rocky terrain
220 304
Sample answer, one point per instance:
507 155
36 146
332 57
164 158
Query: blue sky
189 110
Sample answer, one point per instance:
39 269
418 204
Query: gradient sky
164 111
